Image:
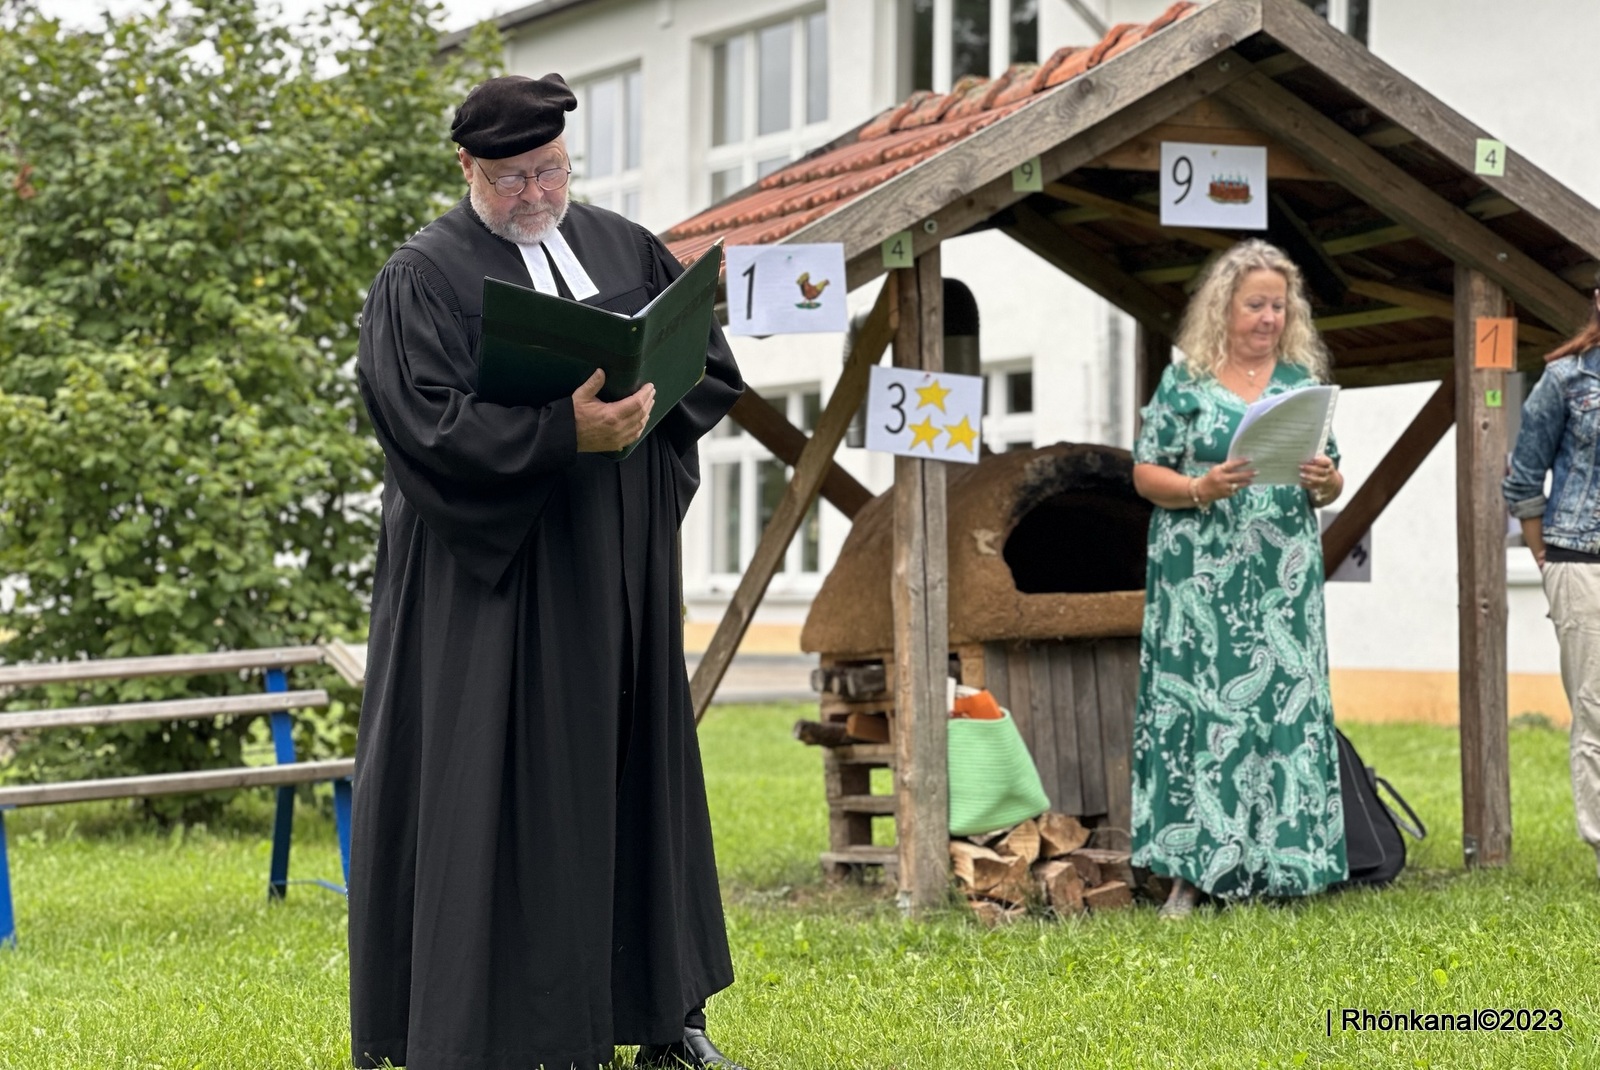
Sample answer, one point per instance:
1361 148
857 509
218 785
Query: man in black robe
531 875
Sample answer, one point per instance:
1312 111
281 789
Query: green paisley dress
1235 768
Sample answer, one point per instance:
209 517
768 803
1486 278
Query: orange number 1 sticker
1496 343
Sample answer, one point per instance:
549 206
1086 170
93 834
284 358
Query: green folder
538 348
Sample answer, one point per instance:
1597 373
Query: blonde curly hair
1203 336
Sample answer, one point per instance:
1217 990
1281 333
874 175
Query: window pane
921 44
817 67
633 89
811 539
727 427
630 204
969 39
1359 12
775 75
1023 444
1019 392
727 92
771 478
602 133
725 518
810 409
766 167
1024 31
725 183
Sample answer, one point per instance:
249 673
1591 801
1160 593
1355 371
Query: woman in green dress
1235 770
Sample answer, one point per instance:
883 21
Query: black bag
1372 840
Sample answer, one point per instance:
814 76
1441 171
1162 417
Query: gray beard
529 230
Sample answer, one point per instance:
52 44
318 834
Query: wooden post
1152 352
921 618
810 471
1481 549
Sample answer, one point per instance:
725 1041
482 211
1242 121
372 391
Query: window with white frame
1351 16
769 99
951 39
747 483
605 141
1008 406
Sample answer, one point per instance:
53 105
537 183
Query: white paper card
786 289
1213 186
933 415
1357 565
1282 432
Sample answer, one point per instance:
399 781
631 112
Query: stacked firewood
1044 865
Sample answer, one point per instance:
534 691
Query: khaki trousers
1574 593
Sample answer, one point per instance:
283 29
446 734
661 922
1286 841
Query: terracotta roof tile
920 127
933 109
1168 17
1113 36
891 119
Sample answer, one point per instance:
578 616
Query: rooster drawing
810 290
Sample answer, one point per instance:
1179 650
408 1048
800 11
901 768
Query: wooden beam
1175 273
1143 151
1036 233
1143 217
1481 444
809 471
1371 317
1388 188
1440 308
1152 352
1445 131
921 620
1285 229
1413 371
143 787
60 672
183 709
1065 127
1387 234
1398 465
787 442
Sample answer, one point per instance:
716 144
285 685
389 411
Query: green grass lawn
147 950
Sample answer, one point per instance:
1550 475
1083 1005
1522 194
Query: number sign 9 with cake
1213 186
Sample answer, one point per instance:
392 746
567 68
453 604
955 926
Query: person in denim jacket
1561 435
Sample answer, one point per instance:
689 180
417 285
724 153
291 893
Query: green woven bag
993 781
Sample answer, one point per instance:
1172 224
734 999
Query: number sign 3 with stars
934 415
786 289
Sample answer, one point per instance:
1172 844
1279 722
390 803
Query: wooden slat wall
1073 703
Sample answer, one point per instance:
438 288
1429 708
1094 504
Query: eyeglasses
549 180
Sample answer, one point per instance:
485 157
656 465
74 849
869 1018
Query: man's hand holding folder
608 426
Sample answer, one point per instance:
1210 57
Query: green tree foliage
192 202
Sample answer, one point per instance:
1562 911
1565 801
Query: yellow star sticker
924 432
933 394
962 434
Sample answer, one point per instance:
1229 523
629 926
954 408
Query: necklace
1250 373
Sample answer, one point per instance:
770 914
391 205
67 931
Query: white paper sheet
1280 433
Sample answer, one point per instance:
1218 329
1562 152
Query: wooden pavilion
1374 191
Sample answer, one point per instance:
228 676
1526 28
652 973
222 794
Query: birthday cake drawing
1229 189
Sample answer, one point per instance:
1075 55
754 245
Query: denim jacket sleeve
1544 420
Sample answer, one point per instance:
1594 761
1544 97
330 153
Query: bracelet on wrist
1194 495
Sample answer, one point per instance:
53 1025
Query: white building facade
682 102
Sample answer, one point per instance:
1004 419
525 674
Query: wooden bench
276 702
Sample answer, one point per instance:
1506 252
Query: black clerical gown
531 873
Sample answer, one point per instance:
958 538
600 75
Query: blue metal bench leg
341 819
283 819
8 922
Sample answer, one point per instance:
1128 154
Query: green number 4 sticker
1493 399
1491 158
897 250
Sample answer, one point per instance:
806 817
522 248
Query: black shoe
695 1050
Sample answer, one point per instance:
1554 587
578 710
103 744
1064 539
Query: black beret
510 115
